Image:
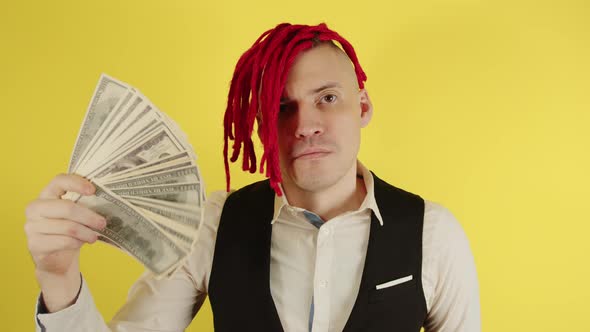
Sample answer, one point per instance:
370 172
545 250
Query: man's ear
366 108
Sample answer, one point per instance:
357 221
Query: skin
322 113
56 229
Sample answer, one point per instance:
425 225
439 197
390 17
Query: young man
323 245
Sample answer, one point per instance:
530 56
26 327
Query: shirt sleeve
451 284
80 316
165 305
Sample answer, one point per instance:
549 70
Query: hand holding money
56 229
145 193
148 186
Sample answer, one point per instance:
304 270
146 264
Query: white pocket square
394 282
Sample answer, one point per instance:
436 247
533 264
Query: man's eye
329 99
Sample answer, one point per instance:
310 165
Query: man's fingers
64 209
62 228
64 183
41 244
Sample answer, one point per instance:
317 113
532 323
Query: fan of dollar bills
148 185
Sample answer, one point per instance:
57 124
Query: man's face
322 112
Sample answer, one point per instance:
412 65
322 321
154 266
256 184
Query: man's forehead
320 66
324 54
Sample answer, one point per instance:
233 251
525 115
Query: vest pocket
397 288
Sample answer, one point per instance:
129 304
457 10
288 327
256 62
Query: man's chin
311 179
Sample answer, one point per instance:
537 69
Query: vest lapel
394 251
239 286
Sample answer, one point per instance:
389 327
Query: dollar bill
107 94
132 231
185 193
144 168
105 144
190 218
184 208
159 145
122 143
177 160
173 175
108 123
181 235
118 126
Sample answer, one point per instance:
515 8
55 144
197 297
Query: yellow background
483 106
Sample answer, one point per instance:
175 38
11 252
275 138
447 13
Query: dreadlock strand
250 103
273 50
277 77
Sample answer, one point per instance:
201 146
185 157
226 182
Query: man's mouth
311 153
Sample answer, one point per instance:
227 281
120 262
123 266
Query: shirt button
323 284
326 230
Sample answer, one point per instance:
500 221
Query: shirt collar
368 203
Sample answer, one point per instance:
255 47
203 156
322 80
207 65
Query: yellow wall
481 106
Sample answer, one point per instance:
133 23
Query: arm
170 304
450 272
152 305
66 303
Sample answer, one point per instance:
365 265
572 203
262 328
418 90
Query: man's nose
308 122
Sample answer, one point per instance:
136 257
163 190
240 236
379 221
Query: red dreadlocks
256 88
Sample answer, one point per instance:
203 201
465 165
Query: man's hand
56 229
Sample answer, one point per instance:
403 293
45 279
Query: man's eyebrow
328 85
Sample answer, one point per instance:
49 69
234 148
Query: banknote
188 217
131 230
111 120
148 184
177 160
165 204
183 236
107 94
185 193
173 175
157 146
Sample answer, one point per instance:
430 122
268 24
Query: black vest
239 286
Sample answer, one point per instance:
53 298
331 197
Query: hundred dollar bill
186 193
140 130
133 232
107 94
108 123
191 218
106 143
190 209
170 176
136 102
136 134
142 118
178 160
159 145
176 129
182 235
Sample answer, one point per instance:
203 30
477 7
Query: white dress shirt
325 263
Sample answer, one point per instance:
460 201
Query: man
323 245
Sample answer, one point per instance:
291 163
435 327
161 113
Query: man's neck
346 195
